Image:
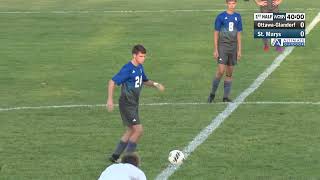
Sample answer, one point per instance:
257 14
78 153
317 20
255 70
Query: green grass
75 147
264 142
56 59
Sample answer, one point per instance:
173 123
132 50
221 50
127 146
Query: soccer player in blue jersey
131 77
227 48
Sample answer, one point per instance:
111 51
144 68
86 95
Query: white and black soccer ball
176 157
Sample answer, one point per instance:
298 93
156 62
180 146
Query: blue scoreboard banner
285 29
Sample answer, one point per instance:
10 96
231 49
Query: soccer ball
176 157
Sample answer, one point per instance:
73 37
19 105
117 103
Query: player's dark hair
230 0
139 49
131 158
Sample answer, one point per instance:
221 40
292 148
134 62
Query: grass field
51 58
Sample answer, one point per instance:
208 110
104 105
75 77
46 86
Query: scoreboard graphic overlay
284 29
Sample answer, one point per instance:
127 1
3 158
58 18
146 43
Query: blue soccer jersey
228 26
131 79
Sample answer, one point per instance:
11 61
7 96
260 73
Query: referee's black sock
131 147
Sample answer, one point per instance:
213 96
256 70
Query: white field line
156 104
146 11
207 131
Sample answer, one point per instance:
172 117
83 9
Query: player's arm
215 43
239 28
277 2
118 79
261 3
150 83
111 87
217 27
239 45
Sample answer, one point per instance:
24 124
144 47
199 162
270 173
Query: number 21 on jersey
138 81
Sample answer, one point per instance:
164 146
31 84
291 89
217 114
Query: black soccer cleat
211 98
114 158
226 99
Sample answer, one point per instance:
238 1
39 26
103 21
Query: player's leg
278 48
222 61
216 81
265 44
121 145
137 131
127 134
219 74
264 9
232 61
136 127
228 83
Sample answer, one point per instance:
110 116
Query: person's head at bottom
131 158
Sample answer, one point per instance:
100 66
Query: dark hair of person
139 49
131 158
